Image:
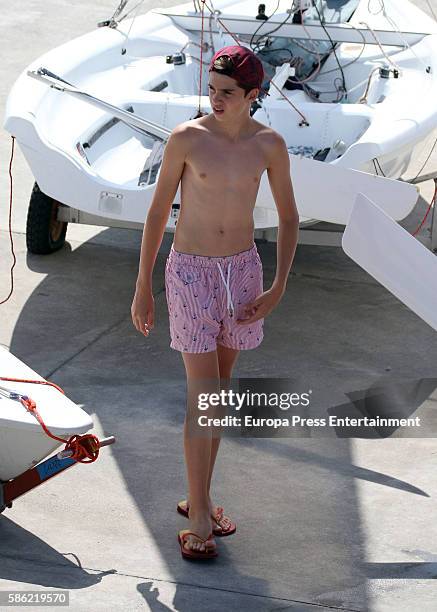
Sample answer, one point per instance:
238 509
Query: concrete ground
324 523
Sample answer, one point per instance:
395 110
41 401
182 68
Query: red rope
10 223
38 382
429 208
85 448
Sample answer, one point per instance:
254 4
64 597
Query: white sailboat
92 116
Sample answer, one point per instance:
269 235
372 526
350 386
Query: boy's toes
196 545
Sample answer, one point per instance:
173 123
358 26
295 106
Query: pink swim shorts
205 297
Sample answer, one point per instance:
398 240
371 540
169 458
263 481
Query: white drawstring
230 305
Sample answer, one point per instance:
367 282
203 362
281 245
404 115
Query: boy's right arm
172 167
171 172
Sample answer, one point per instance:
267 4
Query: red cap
247 68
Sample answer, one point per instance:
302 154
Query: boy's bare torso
219 185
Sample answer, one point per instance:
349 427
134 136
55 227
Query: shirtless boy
213 274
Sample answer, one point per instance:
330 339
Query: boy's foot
199 537
194 546
224 525
221 524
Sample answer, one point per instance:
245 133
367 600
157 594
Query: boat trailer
50 467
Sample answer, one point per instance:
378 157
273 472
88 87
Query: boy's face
227 98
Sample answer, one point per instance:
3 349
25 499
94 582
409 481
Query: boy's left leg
227 358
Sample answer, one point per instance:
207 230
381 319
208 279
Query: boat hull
23 442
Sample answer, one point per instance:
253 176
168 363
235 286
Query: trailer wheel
44 233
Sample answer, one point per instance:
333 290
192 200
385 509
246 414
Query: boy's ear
199 114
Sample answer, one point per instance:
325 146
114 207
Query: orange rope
85 448
38 382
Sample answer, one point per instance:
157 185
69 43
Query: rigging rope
200 114
343 89
380 46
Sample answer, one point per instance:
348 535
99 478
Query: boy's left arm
278 172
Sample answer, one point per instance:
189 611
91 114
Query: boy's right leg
226 361
203 376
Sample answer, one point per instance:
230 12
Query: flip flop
226 526
195 554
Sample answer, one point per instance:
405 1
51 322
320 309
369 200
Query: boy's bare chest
224 164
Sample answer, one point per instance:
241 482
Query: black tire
44 234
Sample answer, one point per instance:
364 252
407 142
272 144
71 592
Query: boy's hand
262 306
143 311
